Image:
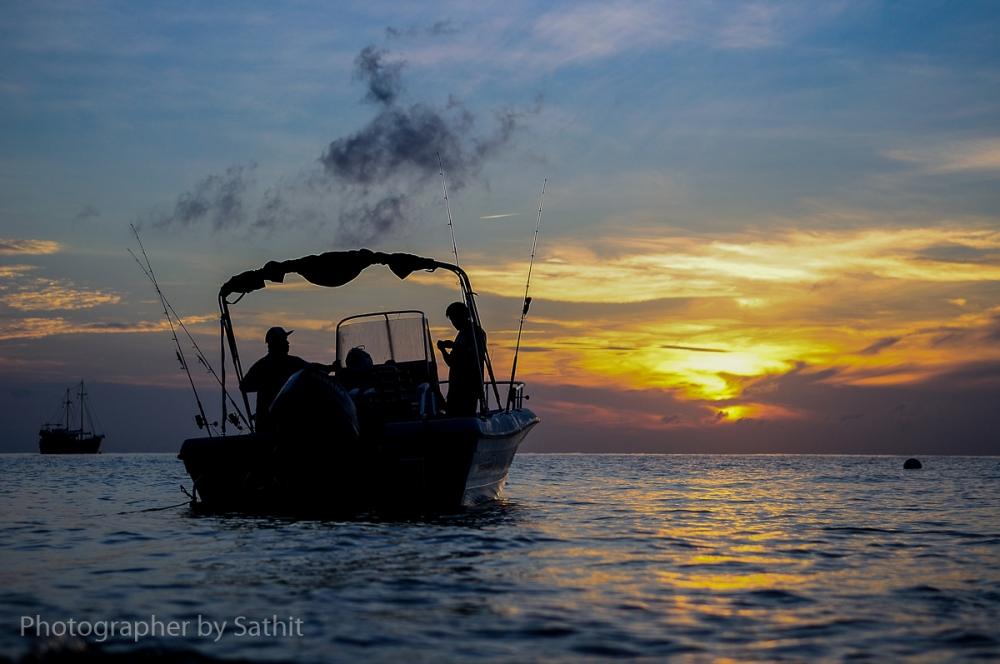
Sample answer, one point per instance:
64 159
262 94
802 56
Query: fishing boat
379 437
60 438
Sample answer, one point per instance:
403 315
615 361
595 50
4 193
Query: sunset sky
768 226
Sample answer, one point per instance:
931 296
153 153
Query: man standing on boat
268 374
465 369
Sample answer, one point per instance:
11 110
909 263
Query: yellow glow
650 267
13 247
873 303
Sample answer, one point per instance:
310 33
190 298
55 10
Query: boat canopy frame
333 269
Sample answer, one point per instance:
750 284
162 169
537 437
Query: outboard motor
313 412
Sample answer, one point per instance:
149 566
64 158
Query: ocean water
589 557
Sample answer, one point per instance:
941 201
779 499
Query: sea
588 558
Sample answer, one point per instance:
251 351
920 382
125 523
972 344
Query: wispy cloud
979 155
51 296
657 265
23 290
751 305
15 247
37 328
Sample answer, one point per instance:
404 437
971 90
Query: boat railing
517 395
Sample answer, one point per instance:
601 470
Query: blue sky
689 146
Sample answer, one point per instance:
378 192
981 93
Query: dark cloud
217 199
880 345
436 29
958 253
951 413
364 224
374 173
384 79
993 329
405 147
88 212
695 349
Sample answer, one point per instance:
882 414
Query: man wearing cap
268 374
464 357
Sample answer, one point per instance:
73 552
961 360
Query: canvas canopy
332 269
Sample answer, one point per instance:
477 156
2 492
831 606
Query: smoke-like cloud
881 344
87 212
384 79
218 199
374 172
405 147
436 29
366 223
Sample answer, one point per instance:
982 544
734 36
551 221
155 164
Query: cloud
404 148
218 199
881 344
37 328
978 155
950 252
650 265
384 79
949 412
52 296
87 212
694 349
15 247
23 291
14 272
373 172
366 223
436 29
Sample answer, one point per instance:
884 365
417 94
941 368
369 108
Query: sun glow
884 307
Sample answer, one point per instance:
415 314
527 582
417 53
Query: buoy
912 464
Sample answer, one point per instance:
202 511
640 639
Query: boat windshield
396 336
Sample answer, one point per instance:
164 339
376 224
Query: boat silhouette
381 440
61 438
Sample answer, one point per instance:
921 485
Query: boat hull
435 464
62 442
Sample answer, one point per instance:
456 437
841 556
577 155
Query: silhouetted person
464 357
268 374
356 374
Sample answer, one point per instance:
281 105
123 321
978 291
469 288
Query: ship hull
438 464
64 442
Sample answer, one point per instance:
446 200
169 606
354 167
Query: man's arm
447 348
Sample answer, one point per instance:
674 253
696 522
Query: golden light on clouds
39 327
636 269
51 295
979 155
884 306
14 247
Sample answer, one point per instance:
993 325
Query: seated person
270 373
356 374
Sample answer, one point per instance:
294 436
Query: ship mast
68 404
81 409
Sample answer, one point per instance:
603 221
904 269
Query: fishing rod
201 419
469 296
527 299
447 204
199 354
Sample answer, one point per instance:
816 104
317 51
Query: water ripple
590 557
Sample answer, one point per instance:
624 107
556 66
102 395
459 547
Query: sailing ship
389 445
60 438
